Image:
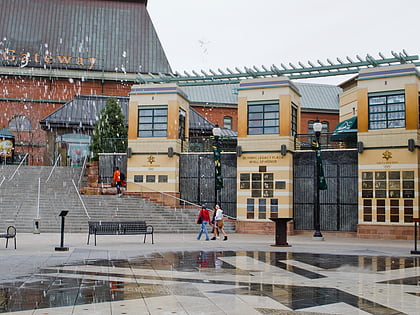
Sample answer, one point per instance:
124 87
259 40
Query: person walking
203 219
218 222
117 180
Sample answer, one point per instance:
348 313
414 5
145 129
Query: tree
110 131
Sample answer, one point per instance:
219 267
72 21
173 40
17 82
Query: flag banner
322 184
217 166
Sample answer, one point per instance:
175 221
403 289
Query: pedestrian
218 222
213 221
203 219
117 180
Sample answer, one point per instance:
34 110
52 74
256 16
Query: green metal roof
319 97
212 94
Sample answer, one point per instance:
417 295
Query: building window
250 208
150 178
262 208
153 121
263 118
163 178
294 118
367 210
380 210
227 122
20 123
274 208
387 111
138 178
182 119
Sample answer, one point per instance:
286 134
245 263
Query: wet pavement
180 275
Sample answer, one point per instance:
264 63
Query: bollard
36 226
62 248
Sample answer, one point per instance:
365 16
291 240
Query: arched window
20 123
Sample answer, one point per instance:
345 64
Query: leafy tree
110 131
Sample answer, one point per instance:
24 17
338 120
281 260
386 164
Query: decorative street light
218 179
320 183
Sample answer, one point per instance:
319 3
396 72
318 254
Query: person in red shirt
117 180
204 217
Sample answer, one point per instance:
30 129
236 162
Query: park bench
119 228
10 233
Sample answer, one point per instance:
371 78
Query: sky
212 34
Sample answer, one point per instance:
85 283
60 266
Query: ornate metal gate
338 203
197 183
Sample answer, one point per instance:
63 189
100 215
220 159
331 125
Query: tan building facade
387 103
158 125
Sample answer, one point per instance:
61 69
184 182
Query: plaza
180 275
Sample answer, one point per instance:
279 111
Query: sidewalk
182 275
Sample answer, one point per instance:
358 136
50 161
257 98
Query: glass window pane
272 130
145 112
396 99
377 100
256 116
255 108
255 123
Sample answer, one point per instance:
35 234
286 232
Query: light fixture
317 126
217 132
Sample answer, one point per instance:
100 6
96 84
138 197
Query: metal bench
119 228
10 233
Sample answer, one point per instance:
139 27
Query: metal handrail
52 170
81 172
20 164
80 198
179 199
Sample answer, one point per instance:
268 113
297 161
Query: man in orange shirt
117 180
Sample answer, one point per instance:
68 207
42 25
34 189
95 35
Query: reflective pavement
180 275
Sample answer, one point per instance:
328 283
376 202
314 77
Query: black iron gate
338 203
197 182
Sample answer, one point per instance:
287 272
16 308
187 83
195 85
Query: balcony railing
204 144
304 142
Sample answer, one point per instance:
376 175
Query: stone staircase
19 199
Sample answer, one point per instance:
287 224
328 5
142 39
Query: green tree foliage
110 131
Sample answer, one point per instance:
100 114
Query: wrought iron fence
204 144
304 142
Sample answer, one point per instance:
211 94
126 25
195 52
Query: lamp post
317 126
218 180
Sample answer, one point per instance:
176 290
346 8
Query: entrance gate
196 180
338 204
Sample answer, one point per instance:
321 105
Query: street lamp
218 179
319 177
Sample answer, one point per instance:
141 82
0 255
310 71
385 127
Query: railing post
416 233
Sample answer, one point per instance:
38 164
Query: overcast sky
204 34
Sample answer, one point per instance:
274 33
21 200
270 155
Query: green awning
5 133
345 130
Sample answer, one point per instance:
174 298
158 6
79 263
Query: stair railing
179 200
52 170
82 172
80 198
164 195
20 164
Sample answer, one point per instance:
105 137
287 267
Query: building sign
35 59
262 159
6 148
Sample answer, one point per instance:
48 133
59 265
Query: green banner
322 184
217 166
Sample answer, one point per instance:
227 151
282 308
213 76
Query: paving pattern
214 280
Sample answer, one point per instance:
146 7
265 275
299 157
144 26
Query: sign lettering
25 59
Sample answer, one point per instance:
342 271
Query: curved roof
112 36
